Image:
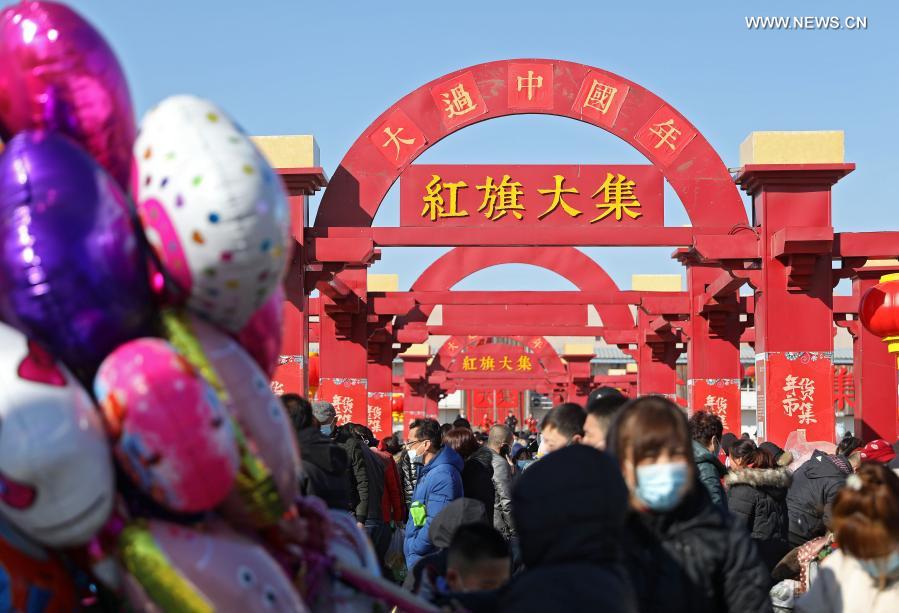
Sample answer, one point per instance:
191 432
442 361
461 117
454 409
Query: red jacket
392 508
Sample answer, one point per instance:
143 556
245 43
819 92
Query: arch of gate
455 346
572 264
584 93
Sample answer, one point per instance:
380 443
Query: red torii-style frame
790 246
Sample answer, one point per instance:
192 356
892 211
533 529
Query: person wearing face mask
494 454
439 483
862 575
357 476
706 430
683 552
324 462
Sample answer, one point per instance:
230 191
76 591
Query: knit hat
878 451
324 411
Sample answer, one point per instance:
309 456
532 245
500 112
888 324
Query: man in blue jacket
439 483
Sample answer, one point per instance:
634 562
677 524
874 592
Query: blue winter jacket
439 483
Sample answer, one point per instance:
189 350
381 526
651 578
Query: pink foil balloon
171 434
261 337
258 411
58 73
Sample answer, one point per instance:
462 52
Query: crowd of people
625 505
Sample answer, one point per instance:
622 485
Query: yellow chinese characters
520 363
618 198
435 206
501 199
615 198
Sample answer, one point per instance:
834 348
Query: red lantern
396 403
314 378
879 311
750 372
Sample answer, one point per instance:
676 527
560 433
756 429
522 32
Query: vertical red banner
798 395
288 376
718 396
349 397
380 416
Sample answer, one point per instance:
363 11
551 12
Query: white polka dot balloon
212 207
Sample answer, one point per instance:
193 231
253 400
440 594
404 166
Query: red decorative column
874 367
794 299
713 353
380 390
290 374
419 397
580 377
656 359
344 346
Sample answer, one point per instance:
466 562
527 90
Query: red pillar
290 376
580 377
656 360
713 354
794 302
874 370
344 348
380 390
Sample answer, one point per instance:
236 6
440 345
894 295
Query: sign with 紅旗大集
623 195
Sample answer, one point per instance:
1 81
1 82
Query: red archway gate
786 255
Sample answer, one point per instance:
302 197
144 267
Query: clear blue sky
329 68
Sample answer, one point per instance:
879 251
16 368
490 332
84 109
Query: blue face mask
522 464
659 486
881 567
327 429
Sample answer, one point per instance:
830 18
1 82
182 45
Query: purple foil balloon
58 73
72 274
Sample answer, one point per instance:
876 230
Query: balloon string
255 483
180 334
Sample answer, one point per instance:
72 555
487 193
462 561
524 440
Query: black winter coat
815 485
374 469
477 480
757 498
569 509
695 559
324 469
408 476
357 476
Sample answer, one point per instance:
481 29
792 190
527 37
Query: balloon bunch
142 451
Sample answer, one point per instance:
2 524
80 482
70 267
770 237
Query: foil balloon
33 578
268 481
56 474
58 73
171 435
261 336
71 272
181 569
212 208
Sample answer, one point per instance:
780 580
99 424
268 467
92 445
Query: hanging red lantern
314 378
749 372
879 311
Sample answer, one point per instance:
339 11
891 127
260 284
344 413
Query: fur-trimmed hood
777 478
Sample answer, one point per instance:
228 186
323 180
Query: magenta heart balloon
58 73
72 275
